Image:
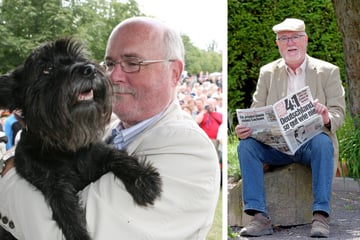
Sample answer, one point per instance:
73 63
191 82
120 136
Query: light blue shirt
9 131
121 137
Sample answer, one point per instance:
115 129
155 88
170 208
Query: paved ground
345 217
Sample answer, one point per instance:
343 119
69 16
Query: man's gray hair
173 45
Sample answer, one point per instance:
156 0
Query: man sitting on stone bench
278 79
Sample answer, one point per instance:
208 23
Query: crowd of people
201 97
11 128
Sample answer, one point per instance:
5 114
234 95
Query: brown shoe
258 226
320 226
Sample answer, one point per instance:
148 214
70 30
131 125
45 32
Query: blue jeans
318 154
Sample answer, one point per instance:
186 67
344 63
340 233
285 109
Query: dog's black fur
66 103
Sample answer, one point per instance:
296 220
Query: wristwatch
8 154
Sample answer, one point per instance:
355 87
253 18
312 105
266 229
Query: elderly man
144 60
294 70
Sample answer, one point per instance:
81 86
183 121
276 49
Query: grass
233 162
349 207
349 147
215 232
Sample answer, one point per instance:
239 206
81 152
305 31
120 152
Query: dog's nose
88 70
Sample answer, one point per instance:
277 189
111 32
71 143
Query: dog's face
65 98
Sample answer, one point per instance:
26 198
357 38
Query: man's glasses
294 38
130 65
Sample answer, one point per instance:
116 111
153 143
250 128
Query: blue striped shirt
121 137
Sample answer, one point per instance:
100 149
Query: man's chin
293 59
123 98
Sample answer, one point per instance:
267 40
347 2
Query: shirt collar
122 137
299 70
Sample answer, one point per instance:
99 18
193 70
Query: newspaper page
286 125
264 125
298 119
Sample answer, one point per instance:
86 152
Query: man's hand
322 110
243 132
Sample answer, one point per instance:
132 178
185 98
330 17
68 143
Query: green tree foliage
192 56
25 24
251 41
197 60
96 19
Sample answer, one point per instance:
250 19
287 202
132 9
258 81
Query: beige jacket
324 81
189 168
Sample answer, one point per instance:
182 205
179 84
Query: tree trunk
348 19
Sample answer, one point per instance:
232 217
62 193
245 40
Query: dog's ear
7 84
8 88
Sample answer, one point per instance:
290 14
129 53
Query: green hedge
251 41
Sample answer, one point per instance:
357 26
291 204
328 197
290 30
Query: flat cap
290 24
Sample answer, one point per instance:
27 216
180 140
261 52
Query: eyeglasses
130 65
294 38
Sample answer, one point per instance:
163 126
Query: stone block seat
289 198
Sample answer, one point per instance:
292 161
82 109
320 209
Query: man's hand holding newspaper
287 124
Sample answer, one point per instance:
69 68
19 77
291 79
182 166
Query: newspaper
286 125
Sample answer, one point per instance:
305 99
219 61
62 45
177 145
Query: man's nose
290 41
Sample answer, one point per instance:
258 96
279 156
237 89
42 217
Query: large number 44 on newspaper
286 125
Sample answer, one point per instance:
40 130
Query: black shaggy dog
66 103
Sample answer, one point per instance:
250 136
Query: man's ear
177 71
